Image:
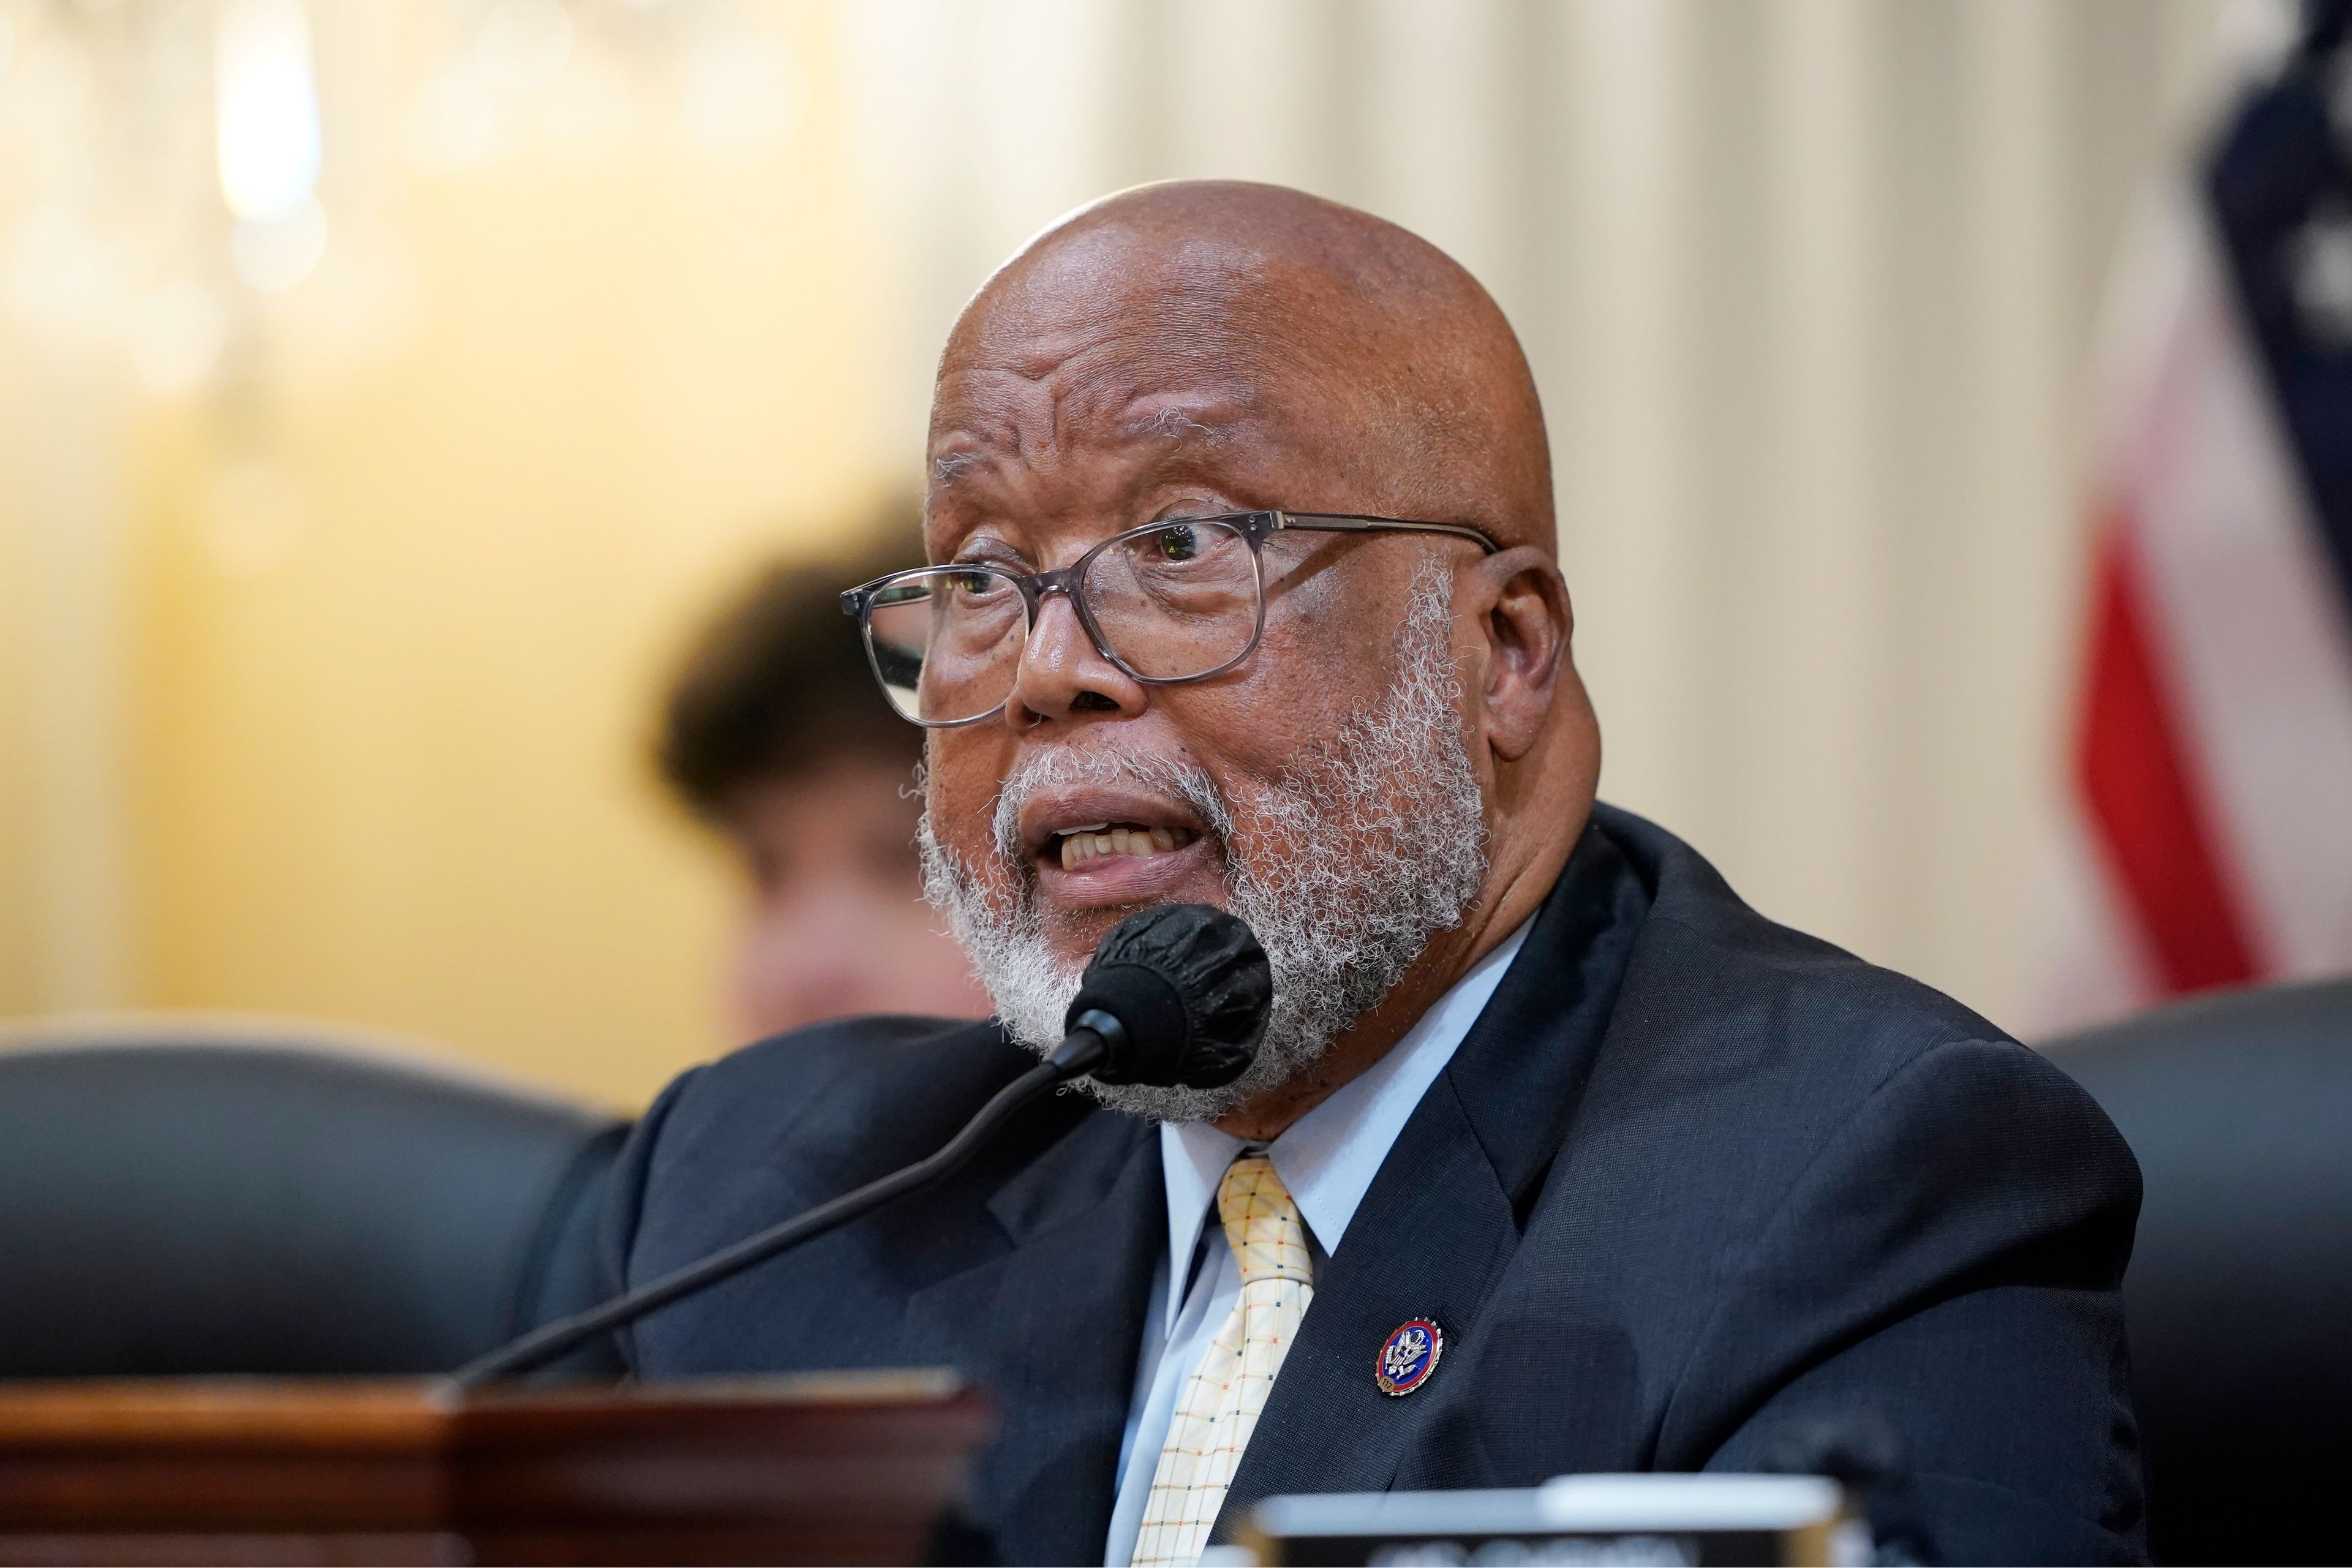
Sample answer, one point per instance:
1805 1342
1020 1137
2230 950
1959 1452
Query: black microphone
1175 995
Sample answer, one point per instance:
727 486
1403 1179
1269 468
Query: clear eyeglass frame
1253 528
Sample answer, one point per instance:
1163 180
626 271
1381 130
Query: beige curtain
1811 290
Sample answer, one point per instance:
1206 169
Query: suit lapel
1432 1235
1441 1221
1051 1326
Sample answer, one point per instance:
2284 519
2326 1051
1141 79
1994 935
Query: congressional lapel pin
1408 1356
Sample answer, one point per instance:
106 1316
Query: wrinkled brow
1189 420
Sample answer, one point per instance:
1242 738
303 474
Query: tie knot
1262 1224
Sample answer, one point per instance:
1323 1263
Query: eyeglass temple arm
1351 523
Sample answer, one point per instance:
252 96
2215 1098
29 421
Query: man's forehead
1157 440
1102 357
979 428
1129 404
1091 372
1118 315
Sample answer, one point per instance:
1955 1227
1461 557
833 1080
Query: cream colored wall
64 871
385 707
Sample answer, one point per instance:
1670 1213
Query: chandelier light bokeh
181 179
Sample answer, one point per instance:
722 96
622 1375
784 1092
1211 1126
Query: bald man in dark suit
1556 1157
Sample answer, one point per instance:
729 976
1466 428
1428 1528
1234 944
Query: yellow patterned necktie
1219 1406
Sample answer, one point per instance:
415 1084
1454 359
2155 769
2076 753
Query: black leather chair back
2240 1292
271 1207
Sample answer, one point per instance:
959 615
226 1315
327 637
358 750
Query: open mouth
1097 845
1074 847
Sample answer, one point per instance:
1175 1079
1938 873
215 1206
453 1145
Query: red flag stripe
2144 796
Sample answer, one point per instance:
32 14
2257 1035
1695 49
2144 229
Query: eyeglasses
1182 599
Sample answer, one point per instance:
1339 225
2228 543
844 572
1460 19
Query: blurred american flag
2211 832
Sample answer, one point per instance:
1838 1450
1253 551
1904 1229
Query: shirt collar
1328 1157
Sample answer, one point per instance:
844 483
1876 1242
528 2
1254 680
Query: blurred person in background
772 737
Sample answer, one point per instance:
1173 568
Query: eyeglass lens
1172 602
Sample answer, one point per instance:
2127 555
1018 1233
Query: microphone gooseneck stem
1081 1051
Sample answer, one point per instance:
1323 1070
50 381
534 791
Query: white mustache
1059 767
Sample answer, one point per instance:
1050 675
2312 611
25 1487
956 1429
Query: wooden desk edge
408 1412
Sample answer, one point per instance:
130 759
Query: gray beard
1345 868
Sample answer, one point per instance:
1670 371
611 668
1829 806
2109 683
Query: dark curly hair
778 685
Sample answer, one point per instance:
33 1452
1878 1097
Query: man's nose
1062 674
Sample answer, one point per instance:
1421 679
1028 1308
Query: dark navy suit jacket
1695 1191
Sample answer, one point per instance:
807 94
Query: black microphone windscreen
1190 986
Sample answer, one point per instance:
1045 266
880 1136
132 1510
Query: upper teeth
1085 843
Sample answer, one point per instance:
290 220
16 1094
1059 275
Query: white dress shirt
1326 1159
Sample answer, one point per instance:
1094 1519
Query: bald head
1388 373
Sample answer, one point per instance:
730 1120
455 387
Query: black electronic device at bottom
1623 1521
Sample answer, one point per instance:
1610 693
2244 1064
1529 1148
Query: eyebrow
1179 421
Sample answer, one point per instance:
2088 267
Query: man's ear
1518 605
